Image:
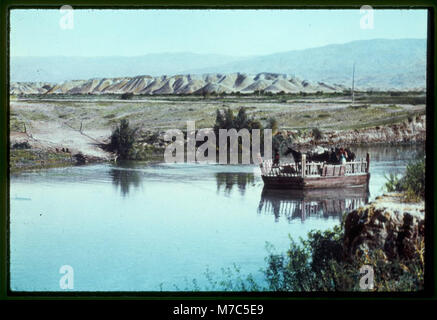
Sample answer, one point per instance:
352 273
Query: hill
179 84
380 64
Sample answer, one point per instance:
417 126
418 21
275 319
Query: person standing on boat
343 156
276 158
333 157
343 159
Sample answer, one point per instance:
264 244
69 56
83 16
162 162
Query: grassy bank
31 159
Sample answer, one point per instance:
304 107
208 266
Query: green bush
21 145
317 134
318 264
272 123
122 140
226 120
127 96
412 183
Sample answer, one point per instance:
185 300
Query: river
152 227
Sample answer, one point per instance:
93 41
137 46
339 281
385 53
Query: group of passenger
337 155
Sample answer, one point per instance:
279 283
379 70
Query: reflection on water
227 180
124 178
294 204
297 204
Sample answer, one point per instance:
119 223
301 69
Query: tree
317 134
226 120
219 122
122 140
229 119
272 123
242 120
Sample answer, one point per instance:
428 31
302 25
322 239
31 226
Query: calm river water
138 227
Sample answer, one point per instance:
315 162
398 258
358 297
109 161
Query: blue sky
228 32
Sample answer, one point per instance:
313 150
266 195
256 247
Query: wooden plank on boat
316 182
331 170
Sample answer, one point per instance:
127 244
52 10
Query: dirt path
54 135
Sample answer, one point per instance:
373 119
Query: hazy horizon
233 33
211 54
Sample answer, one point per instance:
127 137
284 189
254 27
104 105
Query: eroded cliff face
180 84
395 227
408 131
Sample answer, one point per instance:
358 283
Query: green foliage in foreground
318 264
412 183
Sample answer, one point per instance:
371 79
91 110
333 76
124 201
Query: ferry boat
316 175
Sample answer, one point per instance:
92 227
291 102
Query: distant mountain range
380 64
58 69
180 84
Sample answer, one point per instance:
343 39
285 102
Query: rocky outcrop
388 224
411 130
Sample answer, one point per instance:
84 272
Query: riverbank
83 125
38 149
410 130
30 153
380 247
35 159
150 145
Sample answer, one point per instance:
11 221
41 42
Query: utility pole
353 84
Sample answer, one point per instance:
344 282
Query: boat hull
319 182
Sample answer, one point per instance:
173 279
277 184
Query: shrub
272 123
412 183
317 134
127 96
80 158
21 145
122 140
317 264
242 120
227 120
414 179
359 107
323 115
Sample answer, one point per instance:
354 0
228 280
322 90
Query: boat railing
314 169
